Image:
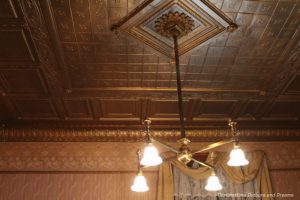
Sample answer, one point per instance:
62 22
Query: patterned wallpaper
286 182
106 170
73 186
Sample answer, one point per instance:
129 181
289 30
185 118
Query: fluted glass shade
150 156
213 183
139 184
237 157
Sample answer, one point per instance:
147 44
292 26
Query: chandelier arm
179 92
138 154
203 164
170 158
147 123
131 14
214 145
164 145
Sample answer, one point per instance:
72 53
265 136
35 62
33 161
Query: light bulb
213 183
139 184
150 156
237 157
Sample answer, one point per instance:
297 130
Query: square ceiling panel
208 22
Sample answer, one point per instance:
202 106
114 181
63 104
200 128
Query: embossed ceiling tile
266 7
200 50
280 43
194 69
149 76
223 71
260 20
293 20
234 41
270 62
264 43
70 48
243 70
164 76
86 49
134 83
286 33
162 83
249 6
215 51
220 40
134 76
116 13
211 61
244 52
277 21
240 32
284 8
226 61
275 52
63 16
208 70
244 19
150 68
260 52
165 68
152 83
196 60
254 32
99 16
230 51
231 5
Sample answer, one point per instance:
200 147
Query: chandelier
175 25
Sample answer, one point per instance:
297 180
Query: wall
72 186
106 170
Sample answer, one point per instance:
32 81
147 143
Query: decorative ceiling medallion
208 21
174 23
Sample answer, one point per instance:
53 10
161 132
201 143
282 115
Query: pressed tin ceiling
62 66
208 22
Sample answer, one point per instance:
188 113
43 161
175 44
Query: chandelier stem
179 92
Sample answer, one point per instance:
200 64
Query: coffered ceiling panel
15 46
119 109
215 109
35 109
8 10
23 81
294 86
77 109
61 65
285 109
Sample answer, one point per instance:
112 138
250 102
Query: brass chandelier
175 25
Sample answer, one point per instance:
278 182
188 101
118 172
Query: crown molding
137 135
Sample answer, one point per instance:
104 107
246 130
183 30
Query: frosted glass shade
237 157
150 156
213 183
139 184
